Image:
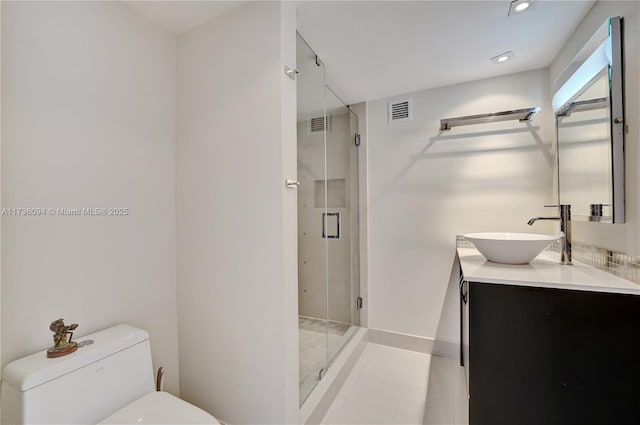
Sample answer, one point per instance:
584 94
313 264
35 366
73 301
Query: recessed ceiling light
518 6
503 57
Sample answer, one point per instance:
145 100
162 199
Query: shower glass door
312 247
341 222
328 243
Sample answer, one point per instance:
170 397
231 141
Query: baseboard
317 404
450 350
420 344
416 343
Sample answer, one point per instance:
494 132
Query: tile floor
393 386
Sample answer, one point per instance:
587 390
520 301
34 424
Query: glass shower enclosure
328 242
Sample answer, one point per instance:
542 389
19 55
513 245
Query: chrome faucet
565 230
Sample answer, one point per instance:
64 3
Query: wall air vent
318 124
400 110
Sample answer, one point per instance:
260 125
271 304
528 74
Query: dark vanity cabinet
550 356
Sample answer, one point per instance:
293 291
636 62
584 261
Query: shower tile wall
311 265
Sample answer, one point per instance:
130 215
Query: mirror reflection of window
584 152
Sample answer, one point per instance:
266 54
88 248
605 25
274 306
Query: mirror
590 129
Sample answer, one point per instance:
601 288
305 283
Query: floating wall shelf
518 114
584 105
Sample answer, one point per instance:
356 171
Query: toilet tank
82 387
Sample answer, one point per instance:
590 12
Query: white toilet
109 381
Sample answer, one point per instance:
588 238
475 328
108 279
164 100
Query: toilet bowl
108 380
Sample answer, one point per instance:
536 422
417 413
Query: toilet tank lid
36 369
159 407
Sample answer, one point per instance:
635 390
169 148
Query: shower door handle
335 230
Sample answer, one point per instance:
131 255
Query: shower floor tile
317 325
314 334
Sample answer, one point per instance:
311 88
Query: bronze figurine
62 345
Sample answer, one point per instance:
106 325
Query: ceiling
180 15
378 49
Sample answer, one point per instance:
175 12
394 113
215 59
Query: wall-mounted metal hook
292 184
291 72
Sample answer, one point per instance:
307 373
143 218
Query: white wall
88 98
618 237
426 186
237 286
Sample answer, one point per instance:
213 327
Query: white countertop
543 272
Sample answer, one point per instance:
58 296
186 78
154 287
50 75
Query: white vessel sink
510 248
